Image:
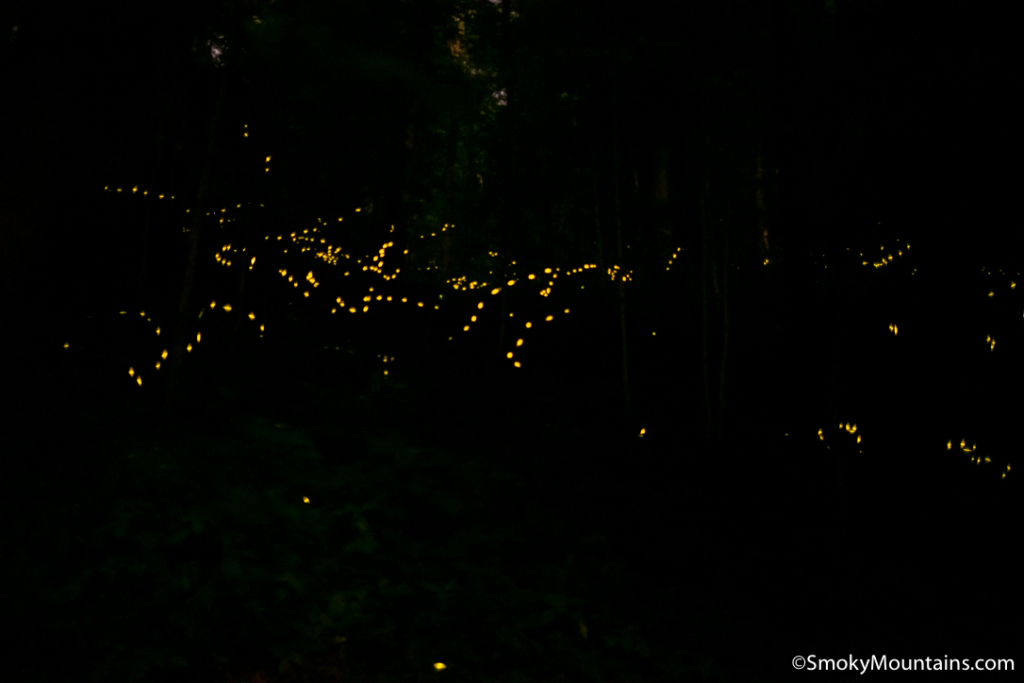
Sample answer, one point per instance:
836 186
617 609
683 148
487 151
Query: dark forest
508 340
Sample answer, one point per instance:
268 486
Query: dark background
510 522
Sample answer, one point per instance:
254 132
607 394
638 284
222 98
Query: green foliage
194 554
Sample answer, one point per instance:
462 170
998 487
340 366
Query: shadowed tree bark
714 297
620 289
183 323
448 179
166 109
507 161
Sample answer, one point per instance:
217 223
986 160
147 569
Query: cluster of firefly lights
977 459
885 260
333 255
852 429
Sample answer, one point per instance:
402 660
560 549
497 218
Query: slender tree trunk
762 229
705 238
167 109
599 237
147 221
183 326
507 163
240 305
714 298
724 351
450 196
396 210
620 290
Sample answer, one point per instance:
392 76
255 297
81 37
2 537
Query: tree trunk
184 324
448 177
507 163
724 351
599 238
147 221
714 296
236 325
705 238
620 290
762 228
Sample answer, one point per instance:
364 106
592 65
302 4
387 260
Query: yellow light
472 319
508 355
480 305
549 318
305 499
213 304
496 290
566 310
131 372
158 331
529 325
252 316
139 380
519 342
164 354
466 328
439 666
189 348
227 307
516 363
199 337
547 270
949 445
420 304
